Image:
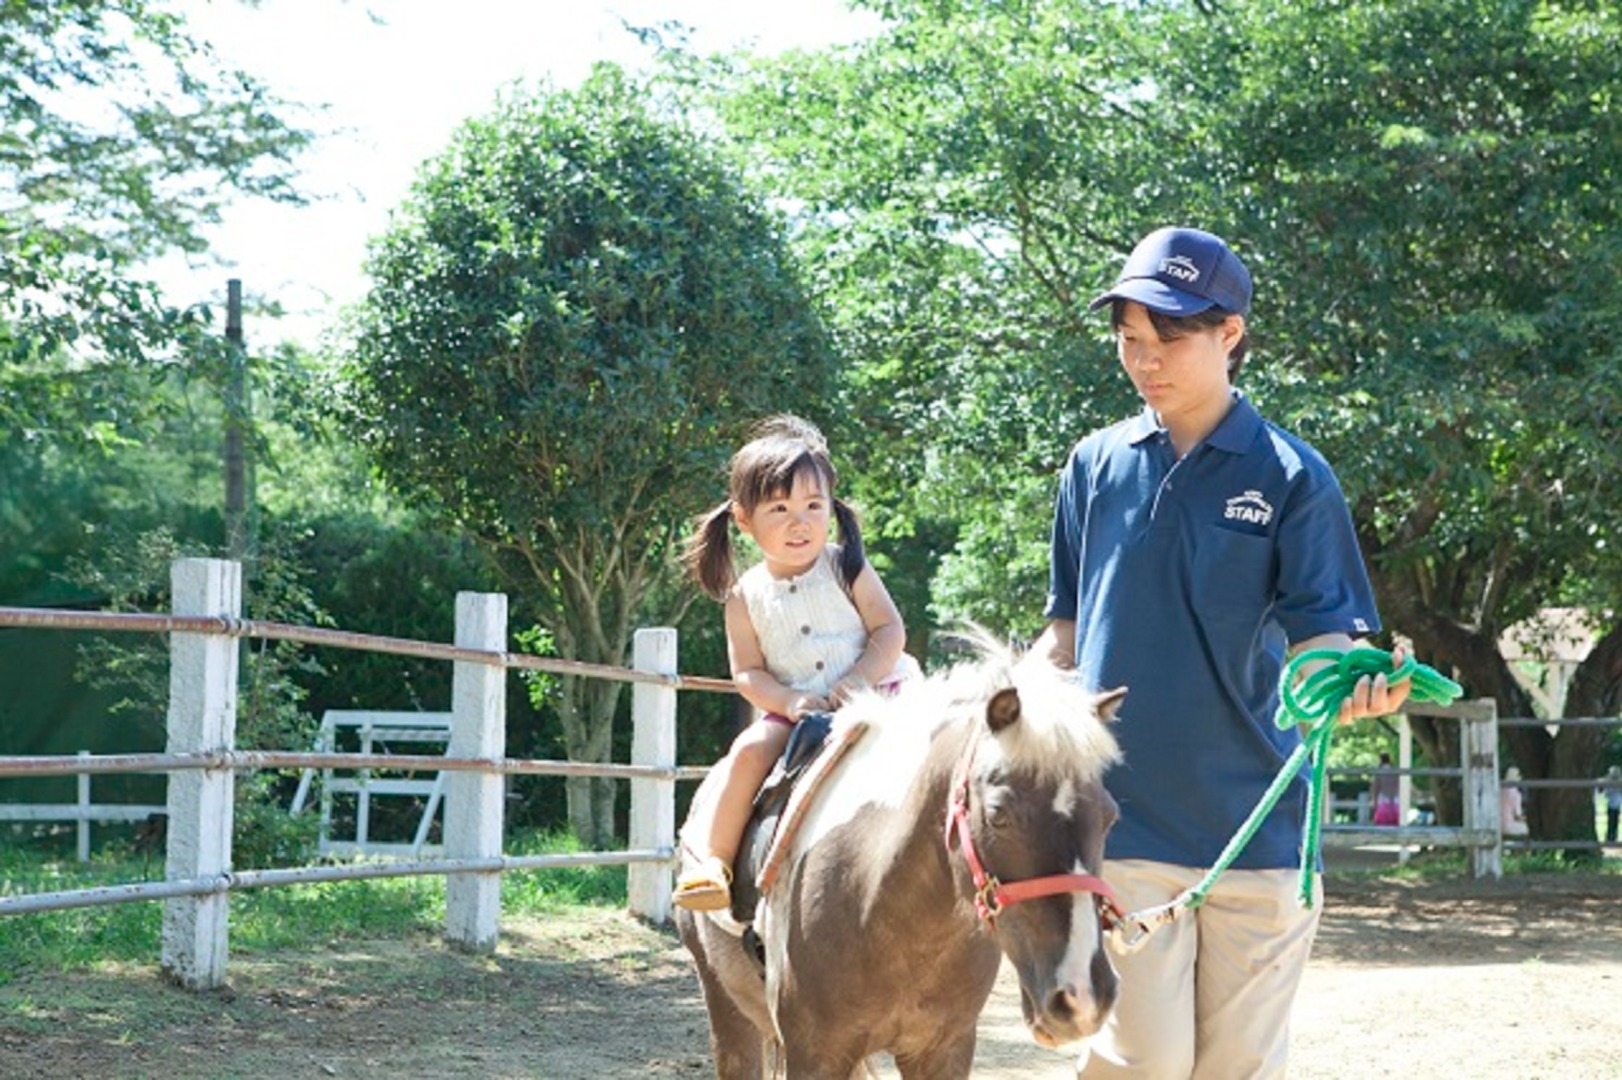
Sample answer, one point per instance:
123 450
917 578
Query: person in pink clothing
1383 793
807 626
1510 807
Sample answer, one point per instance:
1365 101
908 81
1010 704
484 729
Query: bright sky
397 77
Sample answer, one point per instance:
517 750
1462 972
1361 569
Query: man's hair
1172 327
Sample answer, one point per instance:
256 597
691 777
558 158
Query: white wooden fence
201 759
1481 834
82 812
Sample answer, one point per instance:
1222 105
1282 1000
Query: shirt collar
1144 426
1234 434
1237 431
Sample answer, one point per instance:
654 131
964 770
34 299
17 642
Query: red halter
990 894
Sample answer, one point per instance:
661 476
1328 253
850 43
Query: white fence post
202 718
473 800
653 802
1483 810
1405 783
84 812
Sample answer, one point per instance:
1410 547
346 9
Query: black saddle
804 744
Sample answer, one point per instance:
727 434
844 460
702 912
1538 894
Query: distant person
1383 793
1509 803
1613 801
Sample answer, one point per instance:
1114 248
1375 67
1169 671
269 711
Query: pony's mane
1058 737
1059 730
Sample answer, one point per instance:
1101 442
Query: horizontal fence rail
244 760
1575 721
1413 835
101 896
226 626
1422 771
1558 784
201 762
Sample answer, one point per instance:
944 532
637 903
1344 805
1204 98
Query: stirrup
707 887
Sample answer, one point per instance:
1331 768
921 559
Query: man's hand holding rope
1374 694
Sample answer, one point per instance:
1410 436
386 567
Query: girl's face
1180 378
791 529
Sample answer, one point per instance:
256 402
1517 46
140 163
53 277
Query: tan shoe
706 887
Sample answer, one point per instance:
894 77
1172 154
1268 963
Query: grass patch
267 919
1440 863
543 892
297 916
1555 862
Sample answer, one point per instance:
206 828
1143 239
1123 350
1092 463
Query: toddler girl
807 627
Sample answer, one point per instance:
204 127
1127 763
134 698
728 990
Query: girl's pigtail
851 556
708 556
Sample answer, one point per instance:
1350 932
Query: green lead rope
1316 701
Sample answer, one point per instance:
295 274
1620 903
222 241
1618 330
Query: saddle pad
805 790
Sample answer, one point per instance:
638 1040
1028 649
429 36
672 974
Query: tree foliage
571 320
122 137
1427 195
1438 183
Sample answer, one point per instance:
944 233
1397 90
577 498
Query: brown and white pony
966 825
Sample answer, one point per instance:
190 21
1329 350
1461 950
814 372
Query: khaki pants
1209 995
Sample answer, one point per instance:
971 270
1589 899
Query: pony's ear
1002 710
1105 704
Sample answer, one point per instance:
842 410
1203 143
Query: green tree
1427 192
123 136
1434 189
571 321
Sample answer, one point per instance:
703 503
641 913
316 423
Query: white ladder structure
376 732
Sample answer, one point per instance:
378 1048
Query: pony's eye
998 815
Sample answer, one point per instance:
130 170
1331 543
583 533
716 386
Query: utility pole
239 538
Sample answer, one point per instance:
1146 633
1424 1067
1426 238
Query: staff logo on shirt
1180 267
1250 508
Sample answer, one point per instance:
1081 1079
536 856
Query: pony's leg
952 1060
740 1027
737 1045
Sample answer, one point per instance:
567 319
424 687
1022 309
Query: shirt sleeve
1064 560
1323 586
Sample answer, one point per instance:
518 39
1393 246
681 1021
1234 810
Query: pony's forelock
1059 732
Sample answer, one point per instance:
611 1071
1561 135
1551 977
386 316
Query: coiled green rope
1316 701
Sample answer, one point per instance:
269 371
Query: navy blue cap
1182 272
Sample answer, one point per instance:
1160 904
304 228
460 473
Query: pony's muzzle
1069 1012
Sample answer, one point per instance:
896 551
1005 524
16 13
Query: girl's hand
847 688
808 703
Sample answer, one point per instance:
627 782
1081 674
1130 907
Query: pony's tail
851 555
708 554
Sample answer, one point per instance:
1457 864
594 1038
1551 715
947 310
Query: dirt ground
1520 978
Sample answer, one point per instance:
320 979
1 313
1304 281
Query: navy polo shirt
1187 579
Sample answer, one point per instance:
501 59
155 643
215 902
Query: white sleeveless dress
808 627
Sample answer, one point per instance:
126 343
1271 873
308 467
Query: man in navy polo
1195 546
